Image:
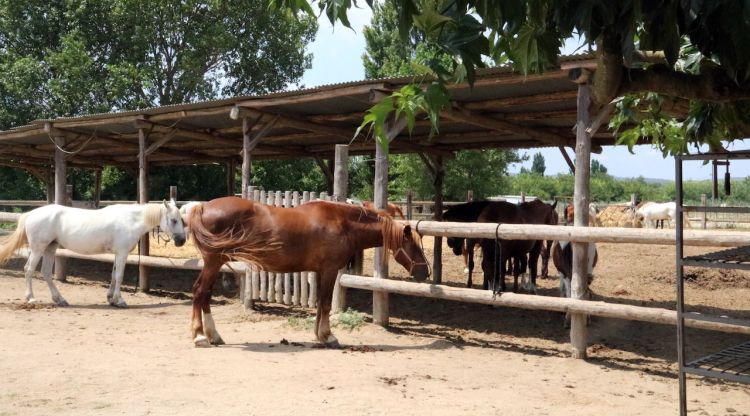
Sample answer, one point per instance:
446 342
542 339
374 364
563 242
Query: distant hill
655 181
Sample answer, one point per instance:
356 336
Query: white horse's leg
119 271
48 261
112 284
31 263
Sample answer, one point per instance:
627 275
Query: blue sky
337 57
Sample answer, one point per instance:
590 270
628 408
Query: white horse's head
171 222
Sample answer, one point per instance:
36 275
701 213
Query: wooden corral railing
297 289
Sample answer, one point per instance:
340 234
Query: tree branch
712 85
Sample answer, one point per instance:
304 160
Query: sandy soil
436 358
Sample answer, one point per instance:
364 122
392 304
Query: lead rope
496 270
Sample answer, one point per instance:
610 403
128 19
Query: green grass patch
306 323
350 319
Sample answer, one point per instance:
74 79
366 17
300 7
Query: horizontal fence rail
547 303
580 234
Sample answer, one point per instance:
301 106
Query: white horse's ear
165 203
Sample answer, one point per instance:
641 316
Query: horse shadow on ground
285 346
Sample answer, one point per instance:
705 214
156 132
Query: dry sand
437 358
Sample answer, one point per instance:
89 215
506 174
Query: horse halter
411 261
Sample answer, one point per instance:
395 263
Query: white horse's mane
152 214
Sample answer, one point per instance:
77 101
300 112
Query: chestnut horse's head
406 245
410 255
569 214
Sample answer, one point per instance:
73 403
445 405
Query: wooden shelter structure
503 109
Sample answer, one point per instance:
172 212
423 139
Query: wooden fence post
703 215
246 289
60 197
340 192
409 206
143 247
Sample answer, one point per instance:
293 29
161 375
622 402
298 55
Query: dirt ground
436 358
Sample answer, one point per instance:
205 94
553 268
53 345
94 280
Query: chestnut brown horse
391 209
317 236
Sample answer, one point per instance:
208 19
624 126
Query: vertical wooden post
246 161
340 192
69 195
60 197
173 192
380 305
579 289
469 195
714 180
143 280
409 204
523 196
255 279
263 274
231 166
97 187
437 263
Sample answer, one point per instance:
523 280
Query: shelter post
437 264
50 182
97 187
380 311
231 166
173 192
246 161
579 284
143 246
60 195
340 192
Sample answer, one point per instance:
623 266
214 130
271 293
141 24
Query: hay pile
617 216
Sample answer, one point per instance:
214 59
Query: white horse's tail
15 241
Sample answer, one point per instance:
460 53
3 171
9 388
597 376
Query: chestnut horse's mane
247 242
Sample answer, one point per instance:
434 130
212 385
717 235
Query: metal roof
503 109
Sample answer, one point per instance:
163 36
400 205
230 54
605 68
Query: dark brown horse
317 236
496 252
466 212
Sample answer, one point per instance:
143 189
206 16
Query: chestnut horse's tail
249 242
16 240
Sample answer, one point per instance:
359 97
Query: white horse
186 210
652 212
115 229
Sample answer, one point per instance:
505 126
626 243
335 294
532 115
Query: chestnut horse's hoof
201 341
332 342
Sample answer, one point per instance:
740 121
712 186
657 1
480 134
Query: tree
597 168
537 164
651 56
71 57
387 54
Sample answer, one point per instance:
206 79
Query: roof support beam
567 159
293 122
500 125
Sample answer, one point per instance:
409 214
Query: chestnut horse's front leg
326 281
201 304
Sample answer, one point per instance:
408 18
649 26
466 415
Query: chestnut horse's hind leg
326 280
201 304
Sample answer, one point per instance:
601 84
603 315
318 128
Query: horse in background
654 213
466 212
494 260
593 212
392 209
114 229
562 258
317 236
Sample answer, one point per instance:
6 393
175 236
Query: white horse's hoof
466 270
61 301
201 341
120 303
216 340
33 301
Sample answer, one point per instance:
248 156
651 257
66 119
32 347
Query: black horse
467 212
497 252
